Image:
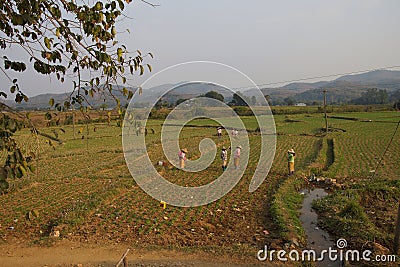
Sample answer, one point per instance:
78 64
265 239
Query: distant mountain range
342 90
104 99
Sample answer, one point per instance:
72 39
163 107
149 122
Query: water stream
317 239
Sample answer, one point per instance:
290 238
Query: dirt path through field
68 253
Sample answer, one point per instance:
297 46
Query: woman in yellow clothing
291 156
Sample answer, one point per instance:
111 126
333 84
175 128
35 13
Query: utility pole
397 233
326 117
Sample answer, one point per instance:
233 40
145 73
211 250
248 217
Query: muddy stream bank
317 238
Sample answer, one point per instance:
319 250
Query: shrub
243 111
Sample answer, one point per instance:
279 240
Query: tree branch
150 4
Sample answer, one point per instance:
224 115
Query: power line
387 148
320 77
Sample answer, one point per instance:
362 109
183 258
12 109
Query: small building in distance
301 105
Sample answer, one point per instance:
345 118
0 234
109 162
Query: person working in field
224 157
182 157
236 156
234 132
291 156
219 132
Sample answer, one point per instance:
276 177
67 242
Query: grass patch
285 209
354 213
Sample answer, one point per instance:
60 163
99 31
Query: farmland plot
84 189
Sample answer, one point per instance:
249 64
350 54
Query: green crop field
83 188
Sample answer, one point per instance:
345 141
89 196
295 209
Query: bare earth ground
67 253
99 218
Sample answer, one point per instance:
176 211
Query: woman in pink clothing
182 157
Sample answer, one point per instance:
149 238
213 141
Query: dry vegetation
84 190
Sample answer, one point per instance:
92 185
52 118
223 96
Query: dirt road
67 253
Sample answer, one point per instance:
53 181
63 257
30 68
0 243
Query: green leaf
7 64
47 42
121 4
51 102
31 167
141 70
149 67
32 215
47 116
67 104
18 98
98 6
120 52
22 169
130 95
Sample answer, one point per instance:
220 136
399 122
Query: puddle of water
317 239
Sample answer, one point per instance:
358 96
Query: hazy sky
269 41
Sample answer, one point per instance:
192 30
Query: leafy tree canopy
238 100
373 96
72 39
215 95
68 37
289 101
